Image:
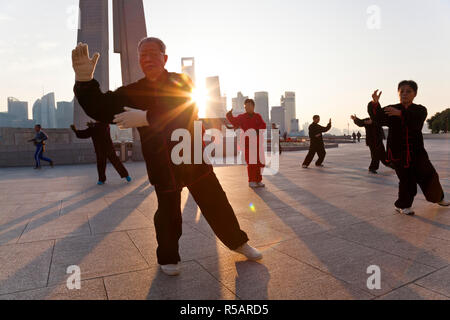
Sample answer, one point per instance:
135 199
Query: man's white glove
131 118
82 64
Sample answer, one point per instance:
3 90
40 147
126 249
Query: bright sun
200 96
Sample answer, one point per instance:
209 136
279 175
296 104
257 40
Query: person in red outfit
247 121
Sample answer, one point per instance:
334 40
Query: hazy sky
323 50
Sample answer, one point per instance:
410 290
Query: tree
440 122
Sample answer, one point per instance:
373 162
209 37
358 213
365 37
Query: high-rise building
18 109
188 67
294 125
238 104
44 111
277 116
262 106
93 30
288 103
64 114
215 107
306 128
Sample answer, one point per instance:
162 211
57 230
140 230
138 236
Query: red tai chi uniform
248 121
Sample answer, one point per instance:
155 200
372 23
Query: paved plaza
318 228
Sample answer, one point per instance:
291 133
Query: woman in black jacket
405 147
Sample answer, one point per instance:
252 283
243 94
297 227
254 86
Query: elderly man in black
374 140
405 147
316 142
104 149
157 105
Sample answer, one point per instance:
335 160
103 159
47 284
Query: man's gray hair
159 42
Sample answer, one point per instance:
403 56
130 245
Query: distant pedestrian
358 135
354 137
316 142
104 149
39 141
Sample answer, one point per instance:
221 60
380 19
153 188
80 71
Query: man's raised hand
83 65
376 96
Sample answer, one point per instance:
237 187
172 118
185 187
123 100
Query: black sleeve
83 134
100 106
414 118
325 129
377 114
359 122
312 132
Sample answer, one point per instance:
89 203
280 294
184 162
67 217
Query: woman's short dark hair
159 42
410 83
249 101
316 117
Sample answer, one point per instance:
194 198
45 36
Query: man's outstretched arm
97 105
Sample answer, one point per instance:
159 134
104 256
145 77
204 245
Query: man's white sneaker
250 252
253 184
407 211
171 269
261 185
444 203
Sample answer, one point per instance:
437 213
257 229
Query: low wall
62 147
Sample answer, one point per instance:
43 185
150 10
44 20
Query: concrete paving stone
396 242
54 226
24 266
125 201
438 281
258 233
413 292
98 255
276 276
93 204
296 226
90 290
192 244
193 283
117 219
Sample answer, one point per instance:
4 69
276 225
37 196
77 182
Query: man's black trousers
421 173
315 147
102 157
377 153
214 205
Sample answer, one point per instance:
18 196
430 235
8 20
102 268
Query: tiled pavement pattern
319 230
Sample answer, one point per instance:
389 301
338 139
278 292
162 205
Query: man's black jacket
169 107
315 129
101 137
405 139
374 133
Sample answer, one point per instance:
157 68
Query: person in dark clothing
358 135
374 140
39 141
157 105
104 149
316 142
405 147
354 136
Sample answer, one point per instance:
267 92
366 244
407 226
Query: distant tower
277 115
129 29
262 105
216 104
188 67
93 30
288 103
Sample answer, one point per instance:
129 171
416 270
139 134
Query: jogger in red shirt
247 121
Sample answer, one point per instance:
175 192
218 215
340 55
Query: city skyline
325 52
